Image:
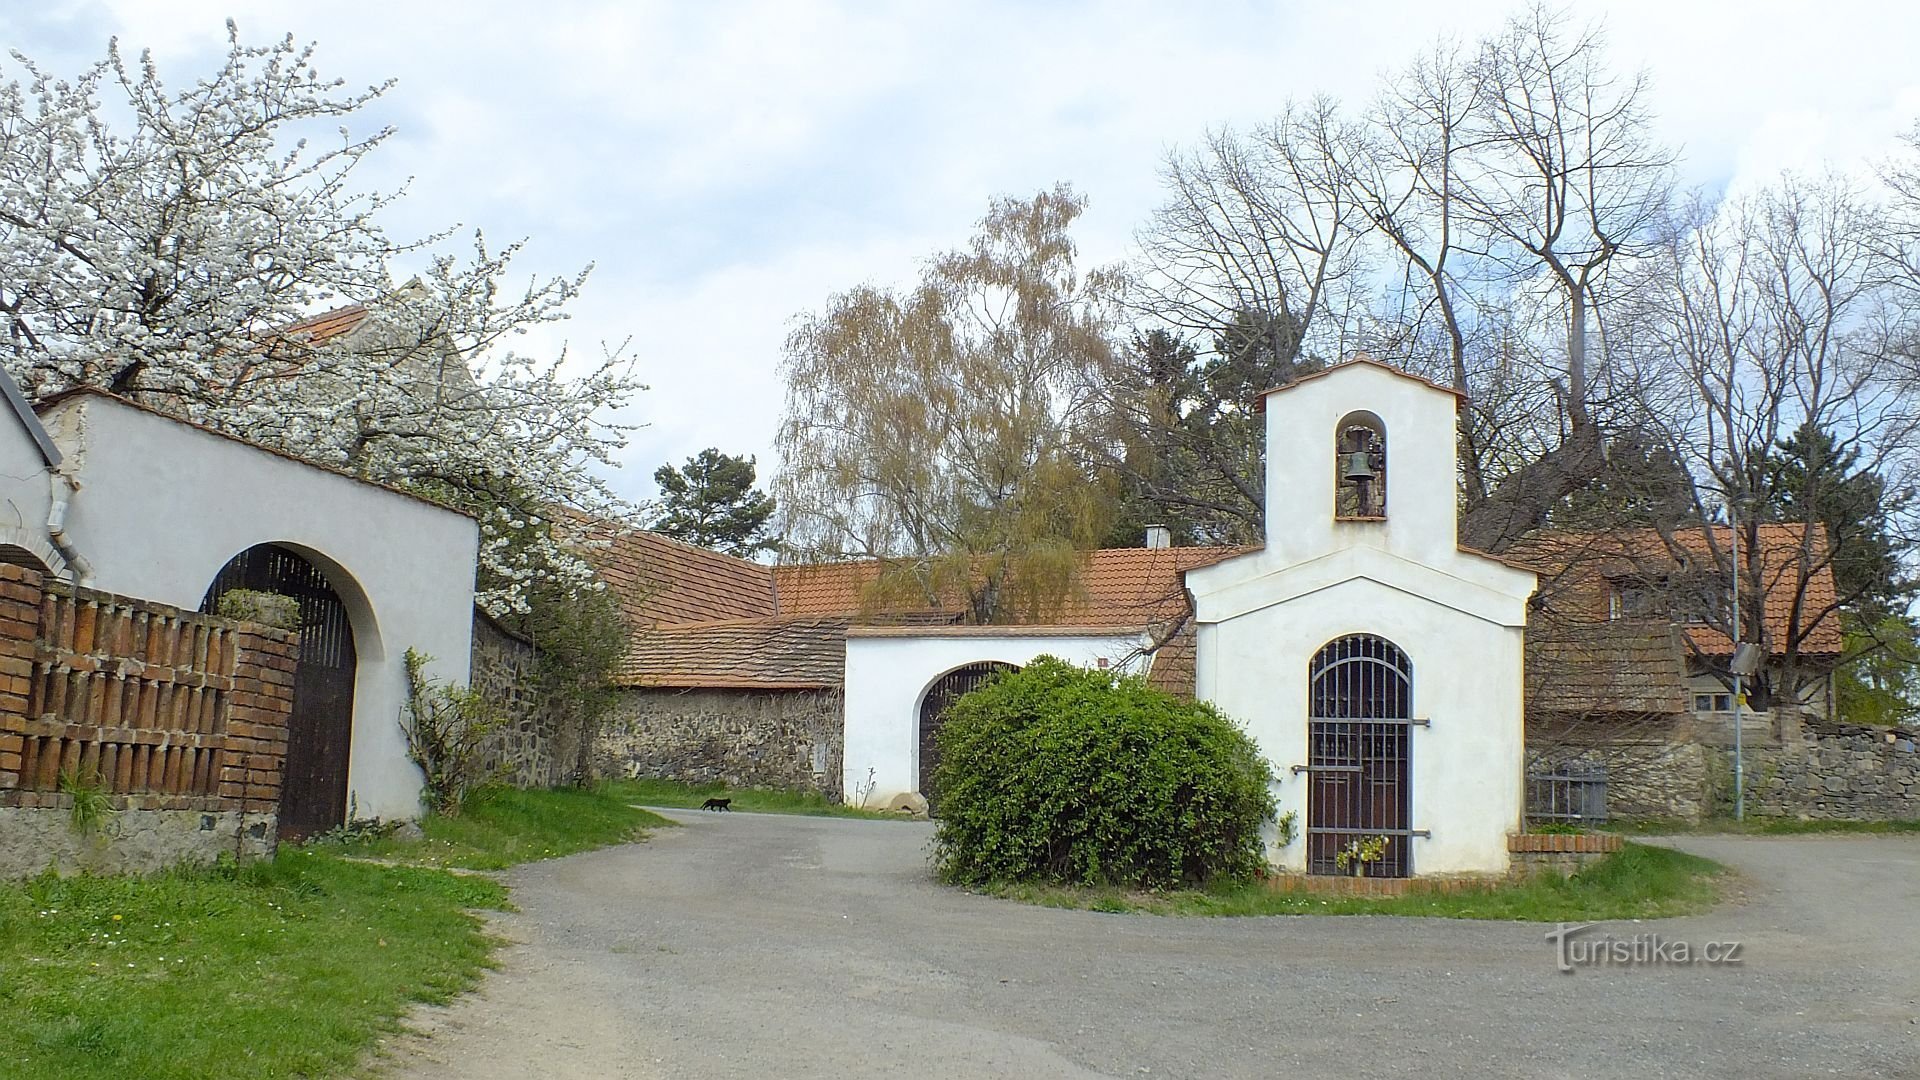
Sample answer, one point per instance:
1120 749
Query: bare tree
1466 229
1776 313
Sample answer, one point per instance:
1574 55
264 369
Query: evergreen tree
1812 479
711 502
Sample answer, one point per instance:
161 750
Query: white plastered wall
888 672
1458 616
1467 767
161 506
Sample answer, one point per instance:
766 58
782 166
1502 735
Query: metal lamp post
1743 663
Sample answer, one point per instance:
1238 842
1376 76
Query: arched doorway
16 555
1358 761
933 710
313 788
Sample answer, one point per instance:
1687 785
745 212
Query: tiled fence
180 718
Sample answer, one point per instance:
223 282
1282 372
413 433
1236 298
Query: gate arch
941 694
1360 710
313 786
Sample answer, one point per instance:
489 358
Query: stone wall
535 749
1666 779
178 720
789 739
1836 771
1819 769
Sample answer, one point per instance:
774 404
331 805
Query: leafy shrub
1059 774
449 730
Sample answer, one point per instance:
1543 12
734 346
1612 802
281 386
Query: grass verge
288 968
1757 826
499 827
762 800
1639 882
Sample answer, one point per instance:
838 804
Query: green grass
499 827
1756 826
672 793
1639 882
288 968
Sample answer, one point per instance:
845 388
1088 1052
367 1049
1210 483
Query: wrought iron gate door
933 710
313 789
1358 757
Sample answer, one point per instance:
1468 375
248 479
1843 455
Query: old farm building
125 527
1378 665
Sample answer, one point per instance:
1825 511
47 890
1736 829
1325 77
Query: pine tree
711 502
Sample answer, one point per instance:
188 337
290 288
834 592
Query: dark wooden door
933 711
1359 754
313 789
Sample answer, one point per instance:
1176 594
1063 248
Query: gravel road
751 945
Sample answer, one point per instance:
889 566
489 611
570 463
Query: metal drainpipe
62 490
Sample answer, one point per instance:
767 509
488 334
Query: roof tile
1579 570
768 654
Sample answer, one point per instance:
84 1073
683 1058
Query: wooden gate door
1358 756
313 790
933 710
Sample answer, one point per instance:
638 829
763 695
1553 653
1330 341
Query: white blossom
157 243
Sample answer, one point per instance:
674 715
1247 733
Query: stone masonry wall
178 719
535 749
789 739
1817 769
1836 771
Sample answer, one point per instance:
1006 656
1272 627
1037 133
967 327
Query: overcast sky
727 165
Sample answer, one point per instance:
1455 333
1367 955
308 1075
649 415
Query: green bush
1059 774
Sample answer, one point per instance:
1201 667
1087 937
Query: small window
1713 703
1360 468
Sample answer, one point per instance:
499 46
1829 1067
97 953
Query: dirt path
750 945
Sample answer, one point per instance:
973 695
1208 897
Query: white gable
1343 564
1413 545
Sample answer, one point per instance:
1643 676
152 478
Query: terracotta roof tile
766 654
1580 569
324 327
1117 587
1174 664
660 580
1626 666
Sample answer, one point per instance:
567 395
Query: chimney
1159 536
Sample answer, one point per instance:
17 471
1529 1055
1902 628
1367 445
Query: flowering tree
167 245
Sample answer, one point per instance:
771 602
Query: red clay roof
1579 571
324 327
704 619
1624 666
662 581
1117 587
747 654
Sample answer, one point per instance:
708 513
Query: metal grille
933 711
1358 760
1568 795
313 791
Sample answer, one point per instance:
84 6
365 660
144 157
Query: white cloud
727 165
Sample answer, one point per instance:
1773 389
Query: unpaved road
747 945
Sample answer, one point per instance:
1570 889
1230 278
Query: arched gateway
313 791
933 711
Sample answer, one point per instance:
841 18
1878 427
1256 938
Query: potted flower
1359 852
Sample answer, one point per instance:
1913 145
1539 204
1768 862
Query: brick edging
1564 843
